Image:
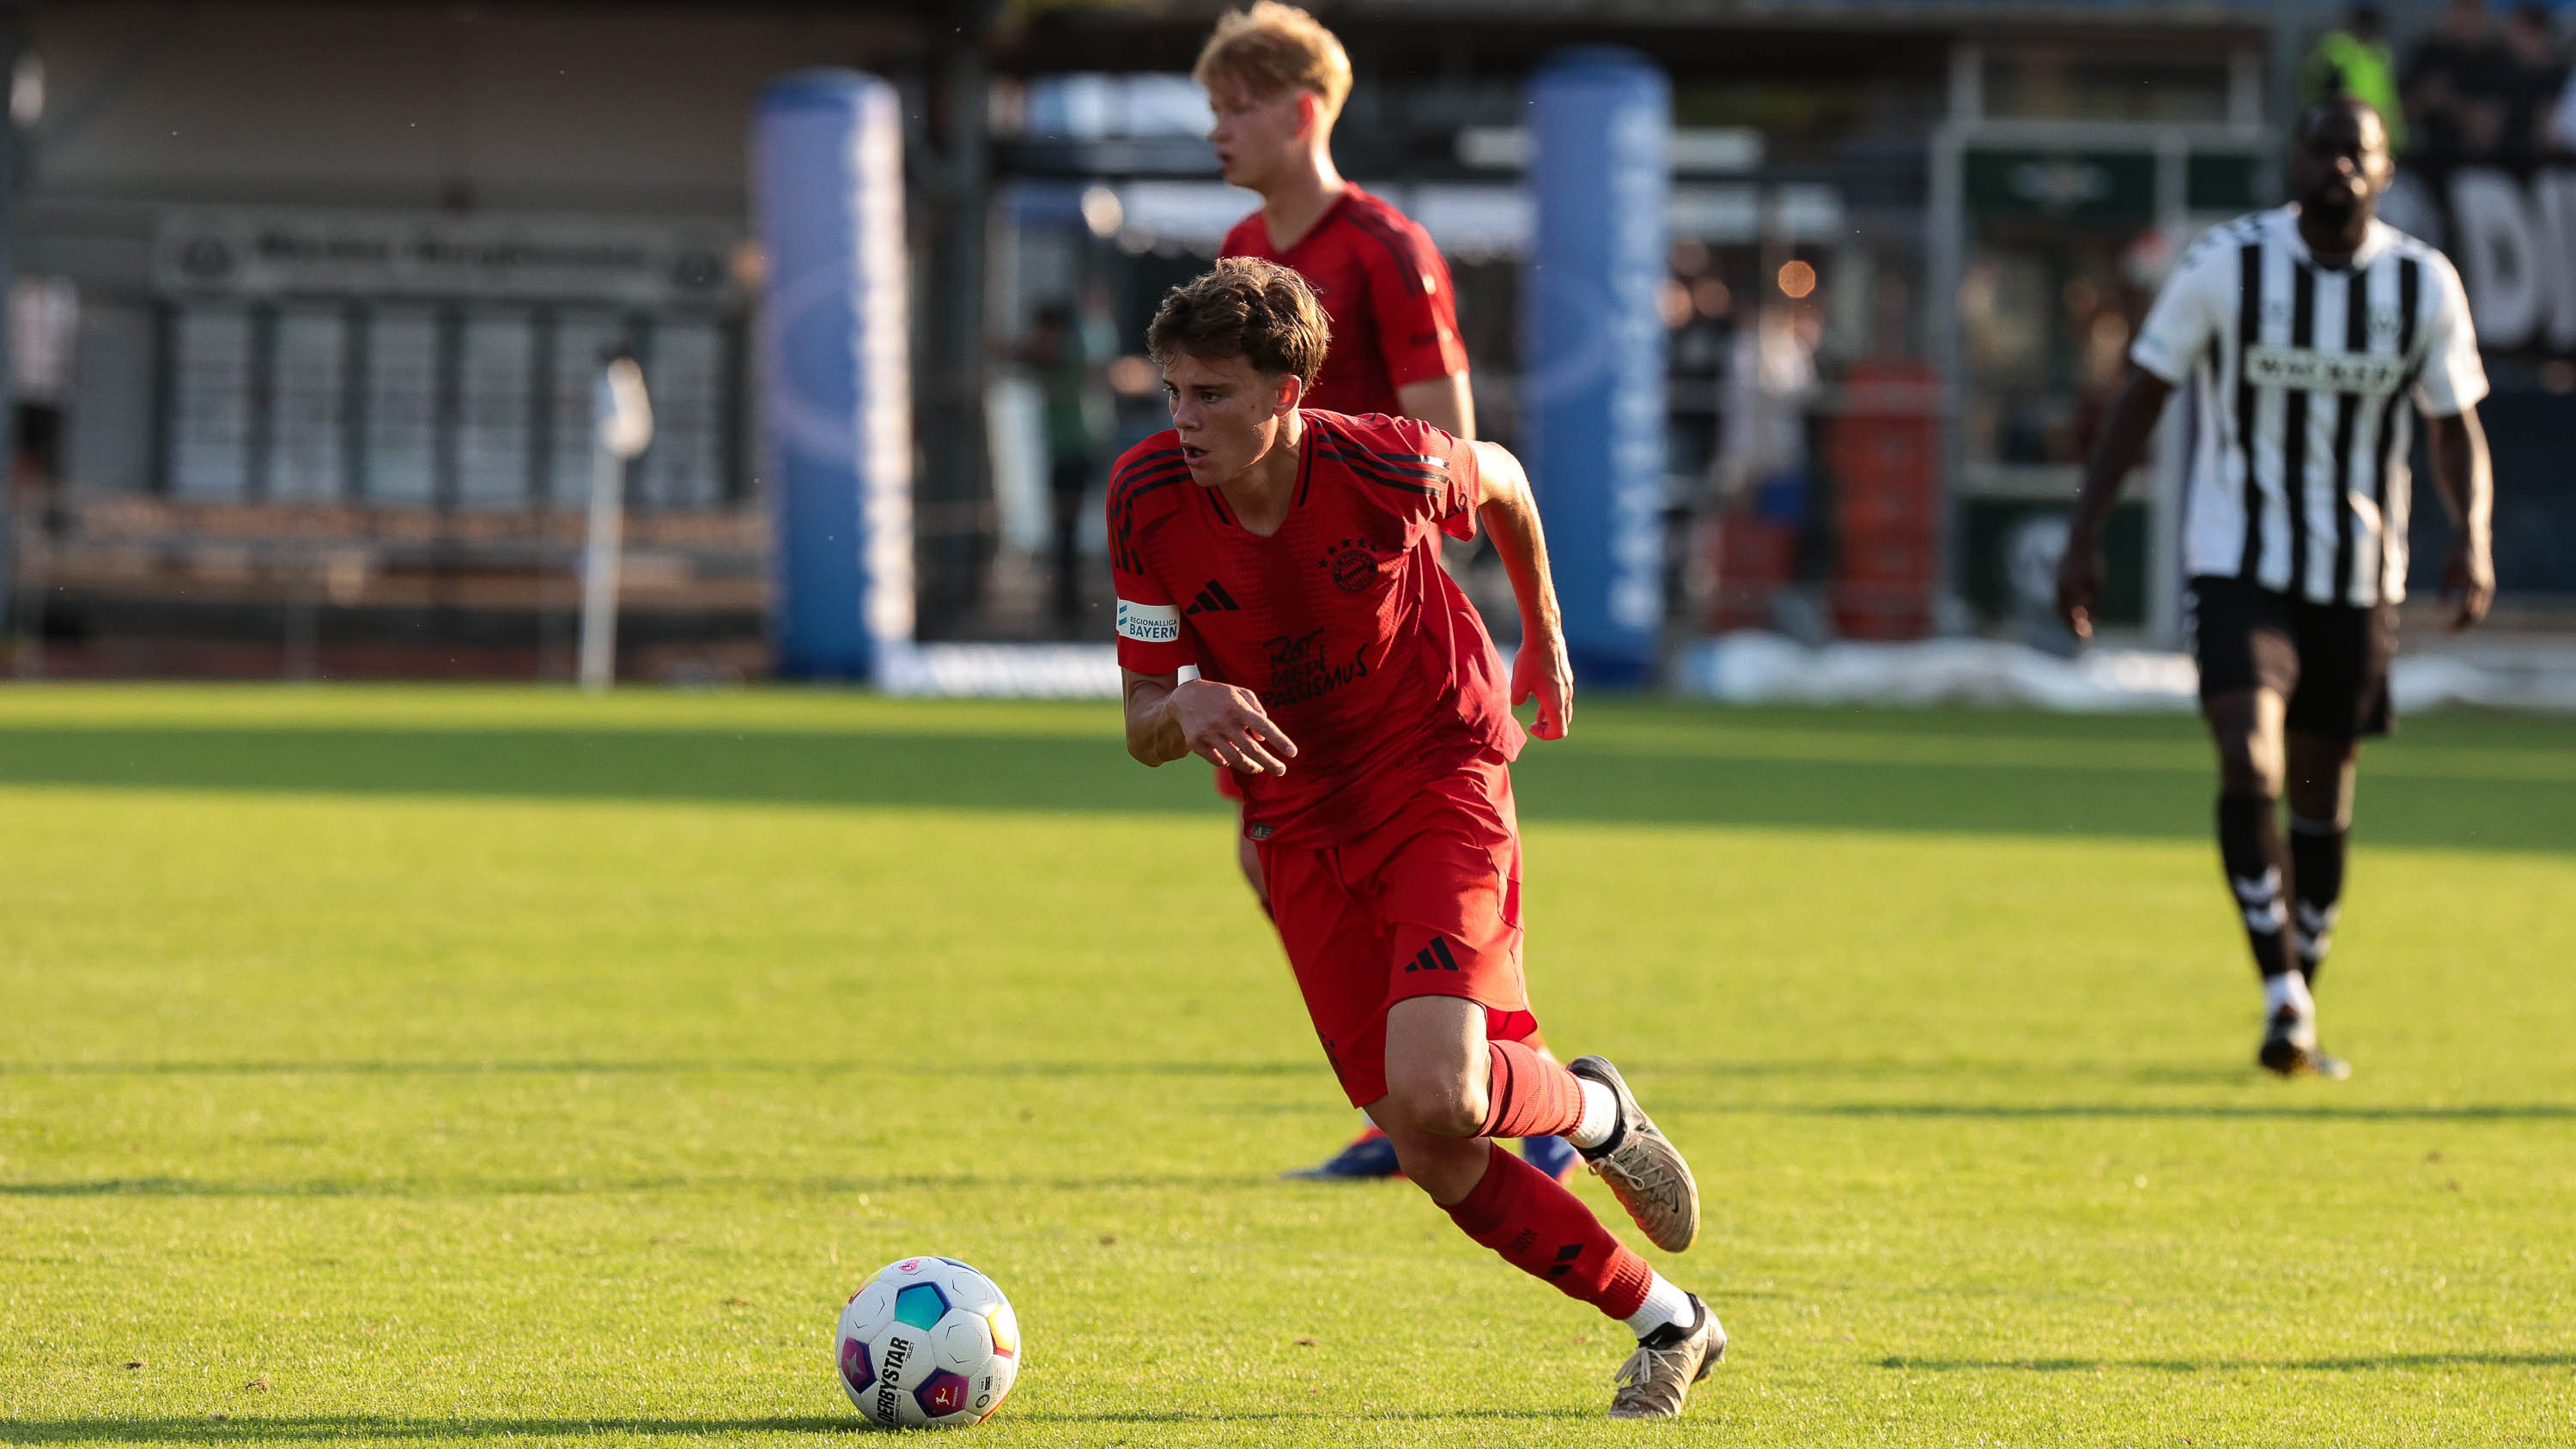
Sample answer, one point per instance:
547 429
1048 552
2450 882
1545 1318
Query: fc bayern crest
1352 565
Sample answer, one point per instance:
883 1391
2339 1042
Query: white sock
1600 1115
1665 1304
2288 989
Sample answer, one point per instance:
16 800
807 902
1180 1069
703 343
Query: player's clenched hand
1542 671
2079 579
1224 724
2469 572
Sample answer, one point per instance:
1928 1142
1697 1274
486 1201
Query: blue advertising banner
1593 391
836 389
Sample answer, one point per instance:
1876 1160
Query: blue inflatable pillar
1600 121
835 376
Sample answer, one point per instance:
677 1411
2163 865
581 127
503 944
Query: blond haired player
1276 80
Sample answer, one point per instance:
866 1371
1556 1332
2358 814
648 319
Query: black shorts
2330 661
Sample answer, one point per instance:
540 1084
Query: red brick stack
1754 557
1883 452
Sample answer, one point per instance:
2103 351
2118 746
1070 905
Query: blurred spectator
2354 60
1066 354
1769 384
2536 79
2456 83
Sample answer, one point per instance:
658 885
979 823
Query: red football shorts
1426 904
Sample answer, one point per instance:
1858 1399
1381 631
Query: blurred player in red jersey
1292 556
1276 80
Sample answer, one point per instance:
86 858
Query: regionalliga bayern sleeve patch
1149 623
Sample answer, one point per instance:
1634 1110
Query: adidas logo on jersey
1212 600
1434 957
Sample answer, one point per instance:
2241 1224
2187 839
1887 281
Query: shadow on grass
2216 1111
981 1070
2366 1363
454 1187
259 1429
1617 782
2015 1069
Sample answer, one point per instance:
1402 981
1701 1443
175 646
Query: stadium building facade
309 296
312 300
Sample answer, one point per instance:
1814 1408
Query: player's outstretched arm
1509 511
1222 724
2115 452
2465 478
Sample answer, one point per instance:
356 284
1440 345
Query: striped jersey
2298 476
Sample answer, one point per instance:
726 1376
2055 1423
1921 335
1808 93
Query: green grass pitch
409 1066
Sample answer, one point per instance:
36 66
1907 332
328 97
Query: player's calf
1533 1223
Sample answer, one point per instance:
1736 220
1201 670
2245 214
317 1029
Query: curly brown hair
1244 307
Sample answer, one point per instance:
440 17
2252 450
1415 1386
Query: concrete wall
611 113
594 110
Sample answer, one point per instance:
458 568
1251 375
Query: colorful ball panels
928 1341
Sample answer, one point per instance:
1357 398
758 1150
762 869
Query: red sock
1547 1232
1529 1096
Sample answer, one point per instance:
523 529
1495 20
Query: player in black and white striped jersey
2304 333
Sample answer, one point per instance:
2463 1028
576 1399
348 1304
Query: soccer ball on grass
928 1341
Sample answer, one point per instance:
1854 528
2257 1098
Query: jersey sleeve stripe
1130 480
1362 471
1122 517
1145 463
1380 462
1397 243
1431 465
1362 466
1410 462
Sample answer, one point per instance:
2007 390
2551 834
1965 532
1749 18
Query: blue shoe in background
1552 1155
1369 1155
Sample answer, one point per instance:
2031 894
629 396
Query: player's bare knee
2246 728
1440 1104
2249 765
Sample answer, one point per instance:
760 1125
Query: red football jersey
1385 288
1359 644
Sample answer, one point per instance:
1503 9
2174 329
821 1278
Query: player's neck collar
2374 240
1338 191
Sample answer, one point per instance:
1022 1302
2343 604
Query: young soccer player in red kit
1291 556
1276 80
